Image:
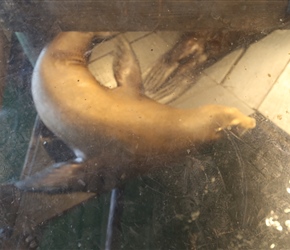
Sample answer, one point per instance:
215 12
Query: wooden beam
18 213
45 206
143 15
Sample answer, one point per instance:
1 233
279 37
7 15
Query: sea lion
114 133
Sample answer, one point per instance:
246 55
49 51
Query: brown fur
90 117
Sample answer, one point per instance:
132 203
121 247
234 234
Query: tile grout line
225 89
271 88
102 56
141 37
227 74
170 45
238 98
233 66
229 71
110 52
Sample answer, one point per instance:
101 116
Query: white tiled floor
150 48
207 91
220 69
103 71
276 105
255 78
259 68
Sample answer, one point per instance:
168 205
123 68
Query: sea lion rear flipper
126 66
61 177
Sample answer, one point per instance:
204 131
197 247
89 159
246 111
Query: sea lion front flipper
61 177
126 66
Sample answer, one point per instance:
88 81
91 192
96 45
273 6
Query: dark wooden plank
143 15
45 206
23 217
16 211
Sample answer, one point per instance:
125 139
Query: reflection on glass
165 189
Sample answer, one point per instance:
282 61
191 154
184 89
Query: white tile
132 36
107 47
206 91
102 49
102 69
276 105
258 69
148 50
220 69
170 37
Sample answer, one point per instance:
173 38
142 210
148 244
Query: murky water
231 193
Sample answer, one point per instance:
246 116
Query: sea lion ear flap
61 177
126 67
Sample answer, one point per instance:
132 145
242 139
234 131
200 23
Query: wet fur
123 130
